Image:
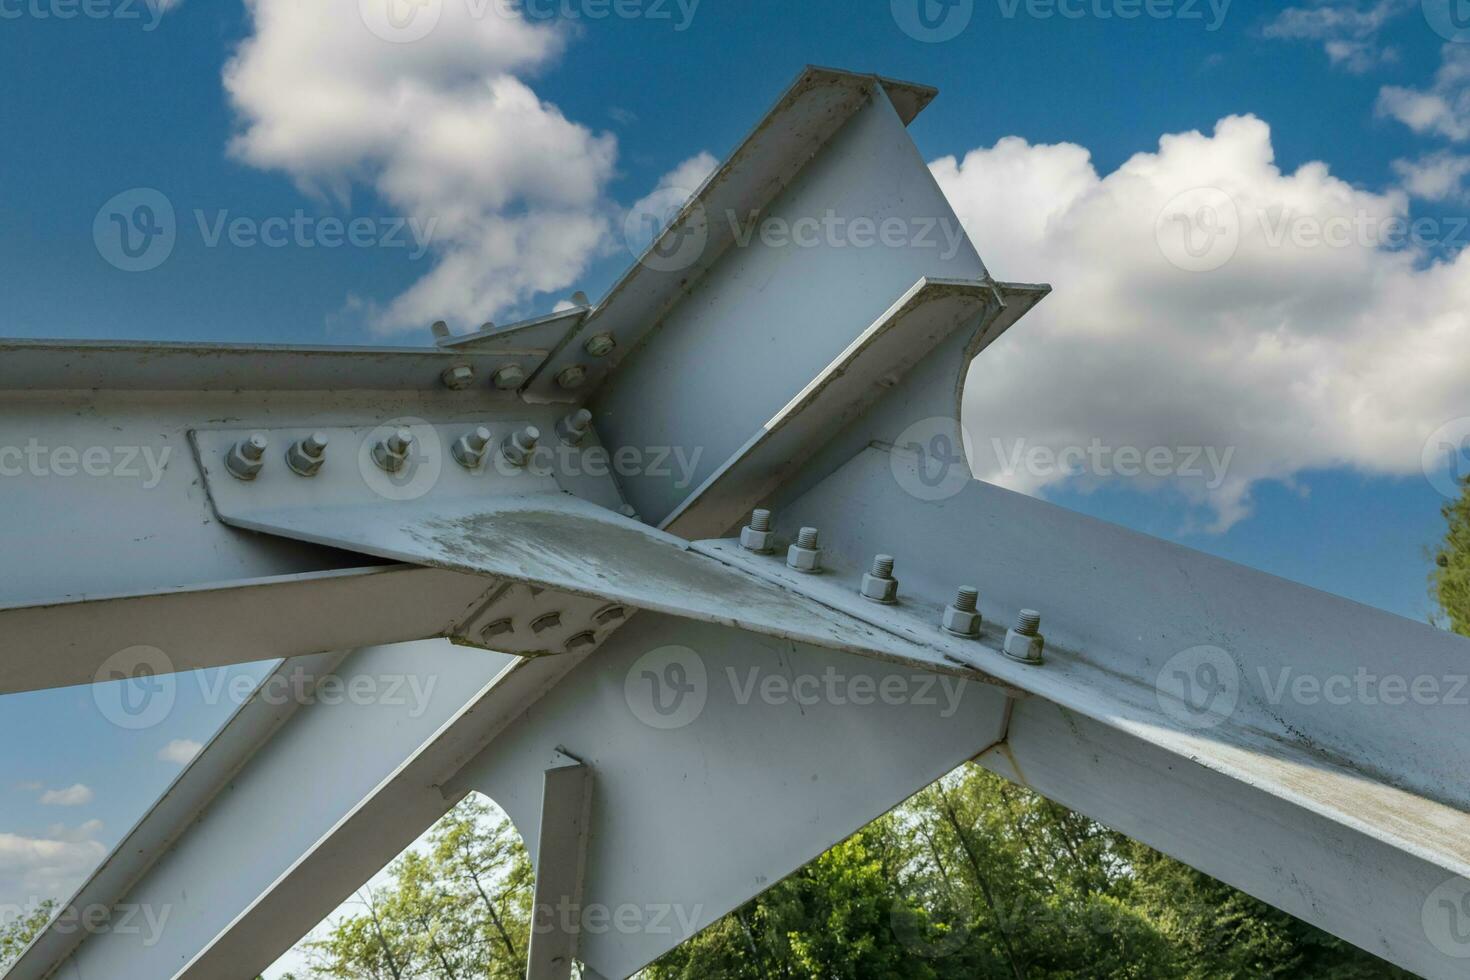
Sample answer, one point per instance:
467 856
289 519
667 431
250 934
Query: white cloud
443 131
181 751
1348 29
75 795
1293 355
34 869
1437 177
1441 110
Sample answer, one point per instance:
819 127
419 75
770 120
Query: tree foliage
1450 580
973 878
16 933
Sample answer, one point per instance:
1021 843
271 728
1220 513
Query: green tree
17 934
1450 580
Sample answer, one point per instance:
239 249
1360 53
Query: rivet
610 614
498 628
581 641
548 622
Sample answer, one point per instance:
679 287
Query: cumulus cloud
443 130
34 869
1441 110
75 795
181 751
1348 30
1436 177
1311 338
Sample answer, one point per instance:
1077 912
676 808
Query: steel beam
561 869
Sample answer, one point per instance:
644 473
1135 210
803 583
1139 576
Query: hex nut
600 345
1026 649
760 542
572 377
961 623
247 458
510 377
884 590
306 456
459 377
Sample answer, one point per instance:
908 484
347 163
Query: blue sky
1327 418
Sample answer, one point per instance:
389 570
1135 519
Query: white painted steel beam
561 869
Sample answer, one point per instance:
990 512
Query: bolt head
884 590
760 542
807 560
601 345
510 377
961 623
1026 649
459 377
572 377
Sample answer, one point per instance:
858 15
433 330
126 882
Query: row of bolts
306 456
1023 642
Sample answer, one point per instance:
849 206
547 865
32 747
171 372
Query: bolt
572 377
1024 641
498 628
600 345
579 298
509 378
307 456
459 377
962 618
573 429
469 449
757 535
548 622
805 556
609 615
441 330
247 458
392 453
879 585
581 642
518 446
